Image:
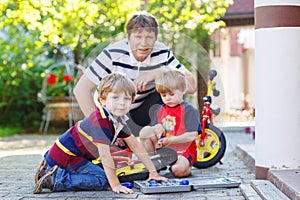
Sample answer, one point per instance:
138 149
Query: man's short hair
142 21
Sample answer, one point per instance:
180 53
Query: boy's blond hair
169 80
115 82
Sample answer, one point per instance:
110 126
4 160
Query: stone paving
20 156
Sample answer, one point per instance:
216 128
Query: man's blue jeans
86 177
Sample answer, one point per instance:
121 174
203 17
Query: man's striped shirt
118 57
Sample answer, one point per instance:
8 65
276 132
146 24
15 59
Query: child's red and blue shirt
179 120
77 145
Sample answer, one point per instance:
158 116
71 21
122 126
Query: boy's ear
185 90
101 101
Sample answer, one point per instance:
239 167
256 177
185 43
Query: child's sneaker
45 181
41 171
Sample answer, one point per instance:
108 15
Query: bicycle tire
213 150
164 157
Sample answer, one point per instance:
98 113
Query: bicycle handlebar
216 92
212 74
216 111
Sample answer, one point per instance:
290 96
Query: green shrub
7 131
22 60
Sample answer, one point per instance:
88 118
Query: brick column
277 72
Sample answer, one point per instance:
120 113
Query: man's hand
142 80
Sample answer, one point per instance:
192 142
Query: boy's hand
119 142
166 141
122 189
157 178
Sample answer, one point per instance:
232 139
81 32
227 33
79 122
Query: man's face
141 43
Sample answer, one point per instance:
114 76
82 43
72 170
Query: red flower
67 78
51 79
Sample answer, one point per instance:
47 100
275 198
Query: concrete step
262 190
249 193
267 191
288 181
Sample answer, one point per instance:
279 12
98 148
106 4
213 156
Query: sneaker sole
41 171
38 185
164 157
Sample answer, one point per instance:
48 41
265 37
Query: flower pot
60 111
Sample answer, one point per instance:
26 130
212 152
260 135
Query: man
141 57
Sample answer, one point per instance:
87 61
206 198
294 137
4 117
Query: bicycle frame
207 111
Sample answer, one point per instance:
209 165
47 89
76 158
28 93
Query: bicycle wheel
213 150
164 157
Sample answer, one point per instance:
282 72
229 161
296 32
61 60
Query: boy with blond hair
68 163
176 123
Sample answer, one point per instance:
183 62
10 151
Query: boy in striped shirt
68 162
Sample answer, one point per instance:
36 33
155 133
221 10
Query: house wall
234 60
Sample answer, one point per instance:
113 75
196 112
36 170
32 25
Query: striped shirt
77 146
118 57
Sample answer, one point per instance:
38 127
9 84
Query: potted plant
58 85
57 94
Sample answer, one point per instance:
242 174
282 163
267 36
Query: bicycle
211 143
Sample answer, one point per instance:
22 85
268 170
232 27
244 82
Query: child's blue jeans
86 177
